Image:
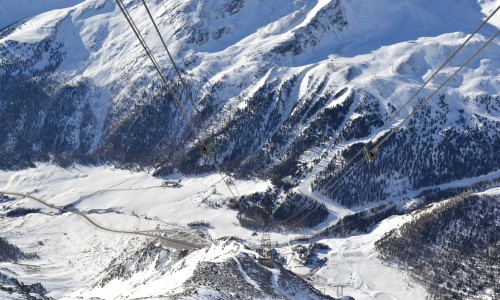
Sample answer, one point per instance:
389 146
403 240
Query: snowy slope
225 271
353 264
103 190
12 11
78 260
232 56
286 96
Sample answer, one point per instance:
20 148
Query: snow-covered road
169 242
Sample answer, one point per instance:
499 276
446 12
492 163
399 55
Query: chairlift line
293 215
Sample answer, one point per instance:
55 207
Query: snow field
73 253
352 264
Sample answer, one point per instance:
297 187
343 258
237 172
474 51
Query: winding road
169 242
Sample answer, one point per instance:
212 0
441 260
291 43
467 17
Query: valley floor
353 265
74 254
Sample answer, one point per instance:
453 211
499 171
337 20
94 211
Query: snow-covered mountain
54 254
288 91
455 237
281 94
75 259
12 11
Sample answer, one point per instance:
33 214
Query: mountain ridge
277 95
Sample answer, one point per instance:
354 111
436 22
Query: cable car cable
435 92
417 92
160 73
183 82
188 93
346 176
394 115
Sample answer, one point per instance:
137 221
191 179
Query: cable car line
349 173
155 63
371 154
346 176
394 115
207 149
393 130
168 85
183 82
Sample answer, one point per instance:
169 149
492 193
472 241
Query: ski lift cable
393 131
166 82
394 115
378 145
435 92
188 93
305 206
360 162
340 179
294 214
346 176
167 13
155 63
177 70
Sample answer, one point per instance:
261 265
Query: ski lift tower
266 250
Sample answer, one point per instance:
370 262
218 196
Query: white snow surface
389 57
12 11
105 189
97 36
353 264
73 253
